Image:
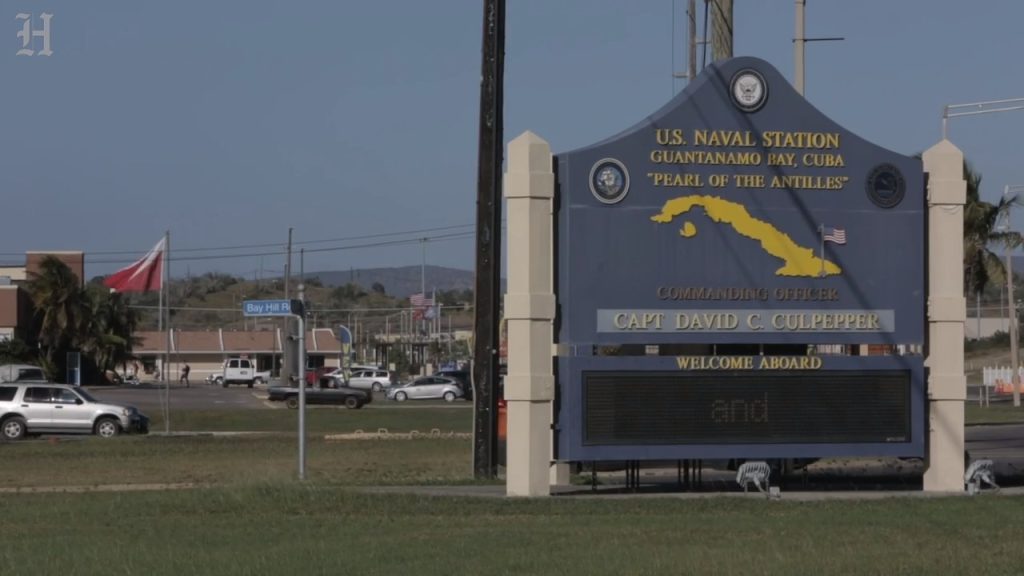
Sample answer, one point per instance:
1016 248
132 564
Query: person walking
184 374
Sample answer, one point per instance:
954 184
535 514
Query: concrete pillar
529 312
561 474
947 311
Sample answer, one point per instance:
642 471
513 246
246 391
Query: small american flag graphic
836 235
421 303
420 300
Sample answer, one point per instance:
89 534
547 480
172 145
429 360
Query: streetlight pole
991 107
800 41
1012 304
975 108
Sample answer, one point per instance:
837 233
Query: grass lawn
253 517
319 420
993 414
314 529
93 461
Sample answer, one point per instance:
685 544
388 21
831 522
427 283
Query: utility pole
423 283
488 243
288 268
1014 329
798 47
1014 353
691 57
691 17
721 29
800 41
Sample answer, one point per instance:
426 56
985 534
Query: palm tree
984 228
61 317
109 337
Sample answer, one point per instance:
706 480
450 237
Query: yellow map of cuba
799 261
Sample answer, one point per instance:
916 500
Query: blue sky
228 122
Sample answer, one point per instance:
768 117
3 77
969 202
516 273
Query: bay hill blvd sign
293 309
272 308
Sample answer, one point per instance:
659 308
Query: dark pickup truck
349 397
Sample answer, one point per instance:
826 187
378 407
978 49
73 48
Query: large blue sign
709 222
740 215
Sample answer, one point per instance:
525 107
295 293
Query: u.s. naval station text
677 149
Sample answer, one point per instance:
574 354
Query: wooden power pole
721 29
488 244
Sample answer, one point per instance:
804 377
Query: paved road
149 399
1003 444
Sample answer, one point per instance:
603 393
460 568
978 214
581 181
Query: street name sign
272 308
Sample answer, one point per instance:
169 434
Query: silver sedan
427 387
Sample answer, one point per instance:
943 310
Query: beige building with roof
205 351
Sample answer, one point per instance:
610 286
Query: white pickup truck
240 371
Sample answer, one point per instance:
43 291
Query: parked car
36 408
464 379
375 380
427 387
349 397
21 373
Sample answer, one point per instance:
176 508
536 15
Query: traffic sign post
295 309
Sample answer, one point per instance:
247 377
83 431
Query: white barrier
999 376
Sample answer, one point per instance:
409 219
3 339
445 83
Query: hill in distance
402 281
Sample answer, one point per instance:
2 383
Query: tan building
205 351
16 309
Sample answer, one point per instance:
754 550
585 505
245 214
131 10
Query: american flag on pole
420 302
835 235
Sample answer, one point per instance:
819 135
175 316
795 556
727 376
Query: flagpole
165 290
821 236
160 327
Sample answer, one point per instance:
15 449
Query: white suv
39 407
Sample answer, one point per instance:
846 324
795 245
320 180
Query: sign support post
301 317
529 311
947 311
289 309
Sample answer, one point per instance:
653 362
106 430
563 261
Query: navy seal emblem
886 186
609 181
749 90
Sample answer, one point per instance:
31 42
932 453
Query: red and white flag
142 276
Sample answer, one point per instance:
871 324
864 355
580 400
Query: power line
176 259
367 311
276 244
